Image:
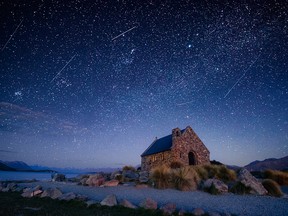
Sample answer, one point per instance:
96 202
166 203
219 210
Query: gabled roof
160 145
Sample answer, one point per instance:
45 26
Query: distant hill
17 165
4 167
271 163
74 170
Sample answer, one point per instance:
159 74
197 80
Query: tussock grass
188 177
220 172
272 187
185 179
280 177
161 175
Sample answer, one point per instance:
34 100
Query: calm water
8 175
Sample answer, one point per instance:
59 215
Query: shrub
220 172
272 187
212 190
226 174
184 179
240 188
214 162
280 177
119 177
176 165
126 168
161 176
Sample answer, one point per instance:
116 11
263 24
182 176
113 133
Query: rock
115 174
198 212
27 194
169 208
144 177
31 193
10 187
110 200
58 177
127 204
83 181
141 186
37 192
5 189
148 203
91 202
246 178
95 180
130 175
67 196
19 189
52 193
111 183
219 185
38 187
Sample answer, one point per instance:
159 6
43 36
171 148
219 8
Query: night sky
91 83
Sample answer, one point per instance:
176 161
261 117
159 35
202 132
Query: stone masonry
186 147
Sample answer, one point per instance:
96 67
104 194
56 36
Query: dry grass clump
280 177
240 188
161 175
220 172
126 168
272 187
201 171
184 179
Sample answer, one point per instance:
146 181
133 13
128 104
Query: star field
91 83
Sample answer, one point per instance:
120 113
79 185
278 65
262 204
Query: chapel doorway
191 157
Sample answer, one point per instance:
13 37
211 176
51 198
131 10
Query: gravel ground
229 203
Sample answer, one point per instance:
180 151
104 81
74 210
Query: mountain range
271 163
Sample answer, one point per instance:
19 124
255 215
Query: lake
10 175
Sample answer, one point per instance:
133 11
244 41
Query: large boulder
9 187
111 183
110 200
95 180
30 192
127 204
83 181
144 177
53 193
246 178
219 185
58 177
148 203
130 175
68 196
